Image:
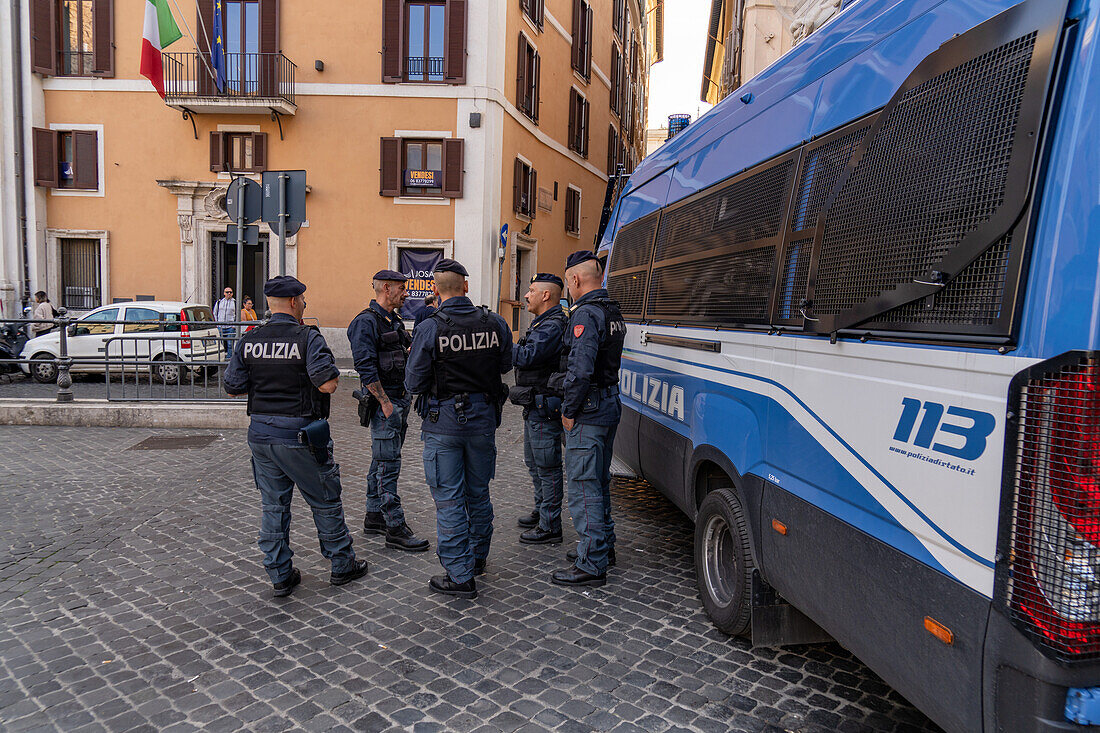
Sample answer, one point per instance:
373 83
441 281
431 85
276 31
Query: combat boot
374 523
402 538
443 584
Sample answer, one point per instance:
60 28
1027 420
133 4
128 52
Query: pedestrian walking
430 305
225 310
590 414
288 372
43 310
457 358
535 358
379 344
248 312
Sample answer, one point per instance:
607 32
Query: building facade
424 128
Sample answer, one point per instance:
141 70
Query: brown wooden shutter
568 209
391 168
578 35
572 118
540 12
269 48
86 159
517 186
453 150
259 151
614 78
535 101
521 73
584 127
587 42
533 194
204 35
392 17
612 147
45 157
103 35
43 37
455 61
217 151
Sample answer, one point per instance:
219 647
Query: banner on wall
417 265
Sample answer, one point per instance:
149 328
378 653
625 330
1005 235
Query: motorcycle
12 340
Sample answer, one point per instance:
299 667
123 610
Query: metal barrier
162 360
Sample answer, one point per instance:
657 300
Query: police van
863 296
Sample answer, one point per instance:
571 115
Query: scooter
12 341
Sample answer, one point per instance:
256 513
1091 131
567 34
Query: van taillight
185 343
1054 553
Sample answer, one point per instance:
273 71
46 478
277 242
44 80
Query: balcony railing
249 77
420 68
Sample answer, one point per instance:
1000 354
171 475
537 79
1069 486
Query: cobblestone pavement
132 598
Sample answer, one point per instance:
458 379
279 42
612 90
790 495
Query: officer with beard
379 343
457 357
288 373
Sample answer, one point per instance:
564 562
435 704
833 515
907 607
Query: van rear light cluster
1053 583
185 343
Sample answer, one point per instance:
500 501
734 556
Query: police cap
390 275
546 277
448 265
283 286
580 256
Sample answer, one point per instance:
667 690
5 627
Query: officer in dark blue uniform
379 343
536 357
455 363
288 373
590 415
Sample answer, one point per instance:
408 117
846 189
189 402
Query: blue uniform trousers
387 436
588 450
458 469
277 468
542 454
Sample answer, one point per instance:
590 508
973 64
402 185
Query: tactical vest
393 342
468 350
538 376
610 351
275 356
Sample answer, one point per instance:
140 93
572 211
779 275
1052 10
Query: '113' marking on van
975 428
653 392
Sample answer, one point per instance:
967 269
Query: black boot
529 520
540 536
576 576
402 538
374 523
443 584
357 570
571 556
479 566
286 587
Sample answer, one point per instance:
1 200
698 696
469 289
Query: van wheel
167 372
43 370
723 562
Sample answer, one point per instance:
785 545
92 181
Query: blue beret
283 286
393 275
448 265
546 277
580 256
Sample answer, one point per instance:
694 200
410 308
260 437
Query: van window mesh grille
628 290
731 288
743 211
936 170
633 244
820 173
792 284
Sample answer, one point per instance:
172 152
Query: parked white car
179 336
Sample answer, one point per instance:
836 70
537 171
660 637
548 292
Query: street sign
252 199
251 234
295 197
504 235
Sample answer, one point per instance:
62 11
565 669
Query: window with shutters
524 189
66 159
424 41
616 79
425 38
582 39
612 150
578 122
238 152
527 79
424 168
75 38
534 11
618 18
572 210
72 37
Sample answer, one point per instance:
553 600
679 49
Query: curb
101 413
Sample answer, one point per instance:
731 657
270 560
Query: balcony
256 83
421 68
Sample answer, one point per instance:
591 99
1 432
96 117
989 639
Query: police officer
536 357
590 415
455 363
288 373
379 343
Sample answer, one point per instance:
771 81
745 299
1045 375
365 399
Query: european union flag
217 50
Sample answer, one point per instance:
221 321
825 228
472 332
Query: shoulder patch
578 330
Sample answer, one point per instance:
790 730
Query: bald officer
590 415
457 357
379 344
288 373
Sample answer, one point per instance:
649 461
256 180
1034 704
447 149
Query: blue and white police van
863 296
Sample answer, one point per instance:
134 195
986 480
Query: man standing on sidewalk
455 363
535 358
379 343
288 372
225 310
590 415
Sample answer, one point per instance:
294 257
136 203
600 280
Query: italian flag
160 32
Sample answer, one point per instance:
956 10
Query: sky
674 83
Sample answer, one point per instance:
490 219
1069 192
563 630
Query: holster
316 435
368 405
522 396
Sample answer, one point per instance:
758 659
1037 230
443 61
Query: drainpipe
20 145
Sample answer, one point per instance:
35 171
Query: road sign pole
282 223
240 259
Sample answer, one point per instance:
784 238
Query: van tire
167 373
42 370
723 562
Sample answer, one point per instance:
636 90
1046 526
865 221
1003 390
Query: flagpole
194 40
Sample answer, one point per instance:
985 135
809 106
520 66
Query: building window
75 41
527 79
616 79
241 33
426 168
618 18
578 122
524 188
533 9
72 37
66 159
238 152
582 38
80 274
423 42
572 210
612 150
